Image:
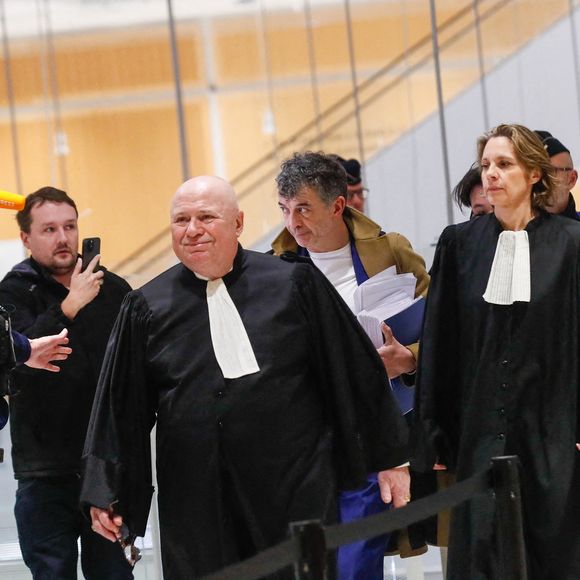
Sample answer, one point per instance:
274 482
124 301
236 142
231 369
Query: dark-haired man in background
356 192
50 411
566 175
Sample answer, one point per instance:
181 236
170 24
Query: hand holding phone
84 284
91 247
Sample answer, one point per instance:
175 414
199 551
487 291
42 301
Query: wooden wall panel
36 160
243 139
238 57
287 44
293 109
7 166
104 63
124 65
26 79
8 229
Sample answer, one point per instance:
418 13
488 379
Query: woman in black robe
499 364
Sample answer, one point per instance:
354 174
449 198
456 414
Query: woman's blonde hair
530 152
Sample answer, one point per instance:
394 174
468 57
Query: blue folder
406 327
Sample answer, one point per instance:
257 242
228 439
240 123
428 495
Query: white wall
11 252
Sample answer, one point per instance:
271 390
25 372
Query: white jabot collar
509 279
229 338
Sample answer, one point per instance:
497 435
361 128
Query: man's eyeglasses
361 192
562 169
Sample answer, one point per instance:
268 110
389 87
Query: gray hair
318 171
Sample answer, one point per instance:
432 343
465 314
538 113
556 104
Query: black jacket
570 211
50 411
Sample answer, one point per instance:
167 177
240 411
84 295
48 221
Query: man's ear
239 223
338 205
24 237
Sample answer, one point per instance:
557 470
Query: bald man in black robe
268 398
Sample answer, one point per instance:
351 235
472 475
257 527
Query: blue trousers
362 560
49 523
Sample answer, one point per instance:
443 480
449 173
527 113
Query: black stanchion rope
416 511
288 552
267 562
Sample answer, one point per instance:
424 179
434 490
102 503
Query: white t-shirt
337 266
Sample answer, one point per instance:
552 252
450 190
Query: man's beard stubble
60 268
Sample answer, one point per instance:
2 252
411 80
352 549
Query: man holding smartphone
50 411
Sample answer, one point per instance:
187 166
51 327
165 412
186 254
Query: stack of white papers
381 297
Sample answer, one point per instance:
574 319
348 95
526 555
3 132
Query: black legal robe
237 460
501 380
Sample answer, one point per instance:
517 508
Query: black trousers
49 524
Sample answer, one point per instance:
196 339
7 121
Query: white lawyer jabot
509 279
229 338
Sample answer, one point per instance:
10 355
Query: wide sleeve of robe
370 432
438 395
117 454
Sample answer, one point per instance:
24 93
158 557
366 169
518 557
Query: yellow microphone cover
10 200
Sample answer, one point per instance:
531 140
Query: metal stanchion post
312 564
510 533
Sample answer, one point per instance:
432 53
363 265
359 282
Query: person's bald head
216 187
205 225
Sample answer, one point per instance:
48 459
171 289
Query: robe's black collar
532 225
237 267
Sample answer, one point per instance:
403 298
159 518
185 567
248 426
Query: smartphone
91 247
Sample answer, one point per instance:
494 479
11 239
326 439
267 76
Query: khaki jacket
377 252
